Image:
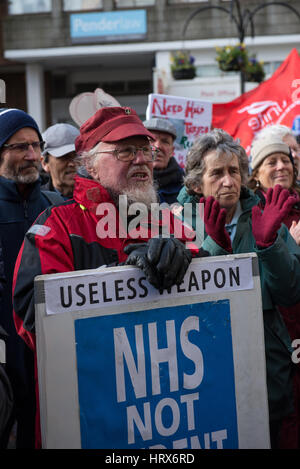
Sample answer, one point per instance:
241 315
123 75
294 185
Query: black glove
137 256
163 260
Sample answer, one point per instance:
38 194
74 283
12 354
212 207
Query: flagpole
242 82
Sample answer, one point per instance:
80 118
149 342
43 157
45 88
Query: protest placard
122 366
191 118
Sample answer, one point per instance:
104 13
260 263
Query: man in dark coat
6 397
167 173
21 201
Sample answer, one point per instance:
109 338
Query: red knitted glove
266 224
214 221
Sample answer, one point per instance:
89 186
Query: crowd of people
51 185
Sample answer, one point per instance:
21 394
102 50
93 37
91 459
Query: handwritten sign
191 117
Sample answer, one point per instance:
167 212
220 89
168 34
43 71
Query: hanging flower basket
184 74
182 66
235 58
254 71
232 58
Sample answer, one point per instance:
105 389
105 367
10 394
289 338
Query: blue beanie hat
12 120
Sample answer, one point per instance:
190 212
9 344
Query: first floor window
18 7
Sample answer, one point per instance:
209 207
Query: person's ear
45 165
257 182
91 172
197 189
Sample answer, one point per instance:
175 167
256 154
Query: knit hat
12 120
161 125
261 148
110 124
60 139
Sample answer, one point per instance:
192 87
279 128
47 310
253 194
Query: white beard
143 196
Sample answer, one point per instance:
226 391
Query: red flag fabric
274 101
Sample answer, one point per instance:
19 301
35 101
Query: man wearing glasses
117 155
116 152
21 201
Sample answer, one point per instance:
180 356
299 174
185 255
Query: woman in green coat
217 169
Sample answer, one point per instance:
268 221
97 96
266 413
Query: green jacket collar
247 198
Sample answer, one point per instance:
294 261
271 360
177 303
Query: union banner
274 101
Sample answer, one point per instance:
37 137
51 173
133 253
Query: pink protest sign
191 117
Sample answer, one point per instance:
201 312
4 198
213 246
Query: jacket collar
89 193
262 198
248 199
9 190
172 174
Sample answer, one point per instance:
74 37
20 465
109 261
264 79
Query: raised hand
266 223
295 231
214 221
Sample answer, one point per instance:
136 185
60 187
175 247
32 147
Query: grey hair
89 158
217 140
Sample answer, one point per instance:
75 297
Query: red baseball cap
110 124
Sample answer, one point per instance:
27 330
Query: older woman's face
221 179
275 169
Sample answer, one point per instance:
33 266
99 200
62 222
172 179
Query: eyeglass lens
130 152
24 146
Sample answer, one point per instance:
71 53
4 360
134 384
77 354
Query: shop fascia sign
107 27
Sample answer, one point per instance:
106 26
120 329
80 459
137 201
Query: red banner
274 101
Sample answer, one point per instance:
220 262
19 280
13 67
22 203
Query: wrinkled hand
266 224
163 260
295 231
214 221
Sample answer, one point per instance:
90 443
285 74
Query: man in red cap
118 157
124 156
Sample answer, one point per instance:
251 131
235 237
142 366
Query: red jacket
69 237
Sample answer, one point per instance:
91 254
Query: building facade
53 50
